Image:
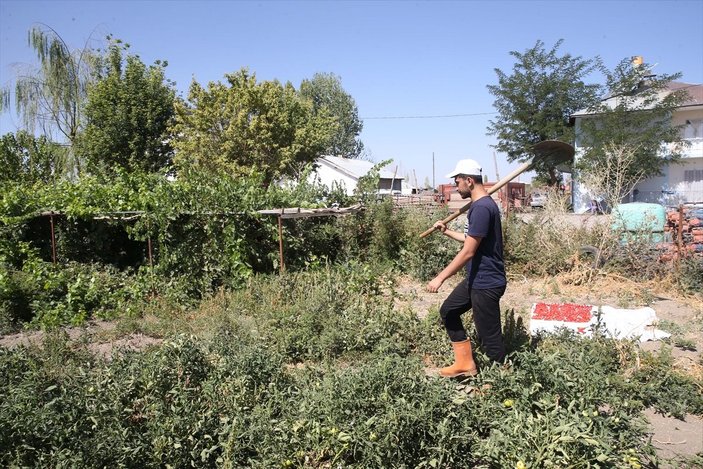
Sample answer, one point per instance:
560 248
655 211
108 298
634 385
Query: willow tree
27 159
50 97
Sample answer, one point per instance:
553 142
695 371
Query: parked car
538 199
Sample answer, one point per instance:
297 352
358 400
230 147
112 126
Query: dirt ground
672 437
682 315
101 338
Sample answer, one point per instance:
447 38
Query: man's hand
440 226
434 284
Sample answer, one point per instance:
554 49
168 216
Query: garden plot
327 367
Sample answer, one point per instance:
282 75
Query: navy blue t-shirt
486 269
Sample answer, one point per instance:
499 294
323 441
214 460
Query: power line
444 116
431 117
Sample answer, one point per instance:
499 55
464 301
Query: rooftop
357 168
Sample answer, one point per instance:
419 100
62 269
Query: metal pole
280 243
53 238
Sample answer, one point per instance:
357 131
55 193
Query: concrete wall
328 176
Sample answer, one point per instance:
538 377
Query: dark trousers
486 308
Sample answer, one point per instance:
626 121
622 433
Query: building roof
356 168
695 93
695 97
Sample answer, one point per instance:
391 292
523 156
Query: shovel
549 152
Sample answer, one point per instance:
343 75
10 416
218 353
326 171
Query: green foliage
245 124
535 102
322 314
424 258
690 276
383 234
329 98
29 159
316 369
49 295
667 390
128 111
203 230
366 189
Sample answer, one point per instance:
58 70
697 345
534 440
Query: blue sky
397 59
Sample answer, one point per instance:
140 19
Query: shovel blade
554 153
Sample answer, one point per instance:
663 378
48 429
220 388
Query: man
484 285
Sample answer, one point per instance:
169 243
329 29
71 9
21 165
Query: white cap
468 167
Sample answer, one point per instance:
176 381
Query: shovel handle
496 186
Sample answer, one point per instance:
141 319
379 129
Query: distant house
680 182
346 172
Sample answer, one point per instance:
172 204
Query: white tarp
618 323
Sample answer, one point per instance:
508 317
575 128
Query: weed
685 344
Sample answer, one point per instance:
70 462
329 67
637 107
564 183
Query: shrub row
203 232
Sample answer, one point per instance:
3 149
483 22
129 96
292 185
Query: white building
346 172
680 182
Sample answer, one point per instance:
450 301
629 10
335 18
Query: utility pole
434 186
393 180
495 163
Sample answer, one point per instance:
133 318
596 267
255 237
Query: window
693 175
693 128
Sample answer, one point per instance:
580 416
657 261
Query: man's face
464 186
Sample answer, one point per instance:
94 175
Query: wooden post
280 241
151 261
53 238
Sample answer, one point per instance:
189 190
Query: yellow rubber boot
464 364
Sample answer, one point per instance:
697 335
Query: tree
535 102
244 125
26 158
326 92
612 175
52 96
635 121
128 112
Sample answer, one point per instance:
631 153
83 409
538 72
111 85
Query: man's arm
460 260
456 235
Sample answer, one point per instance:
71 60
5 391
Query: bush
51 295
546 245
690 275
